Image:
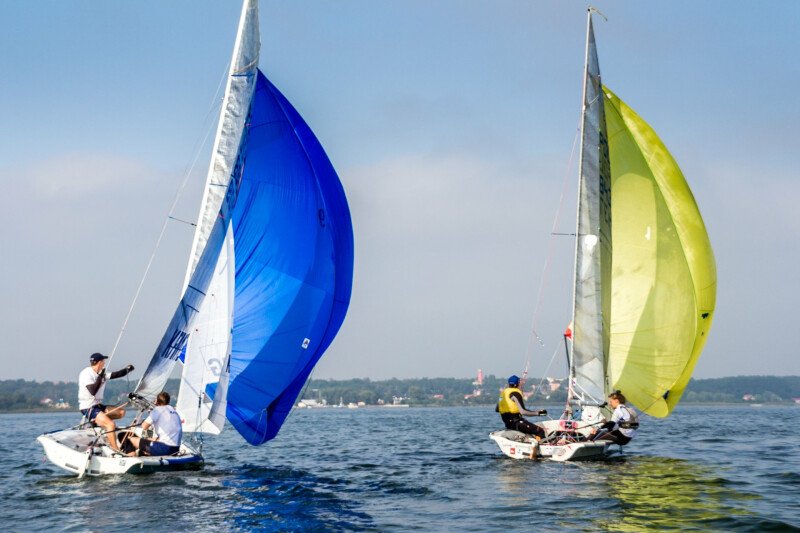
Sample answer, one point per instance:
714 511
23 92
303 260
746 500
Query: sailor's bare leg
135 442
105 422
115 413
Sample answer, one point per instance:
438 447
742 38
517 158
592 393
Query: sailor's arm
121 373
93 387
613 424
521 406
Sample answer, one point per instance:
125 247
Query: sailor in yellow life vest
512 406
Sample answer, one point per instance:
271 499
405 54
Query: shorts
92 412
153 447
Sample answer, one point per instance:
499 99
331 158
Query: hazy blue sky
450 124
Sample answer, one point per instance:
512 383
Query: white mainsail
591 310
209 344
208 347
212 230
235 108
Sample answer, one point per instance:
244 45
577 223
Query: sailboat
267 286
645 277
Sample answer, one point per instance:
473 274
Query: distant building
312 403
555 384
530 393
748 398
478 384
438 396
61 404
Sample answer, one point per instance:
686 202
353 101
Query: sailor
91 386
623 424
511 407
166 423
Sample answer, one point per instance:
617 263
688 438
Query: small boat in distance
267 286
644 286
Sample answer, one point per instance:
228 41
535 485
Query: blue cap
513 380
95 357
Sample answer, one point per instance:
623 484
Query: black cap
95 357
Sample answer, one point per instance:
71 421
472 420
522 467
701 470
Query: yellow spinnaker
664 279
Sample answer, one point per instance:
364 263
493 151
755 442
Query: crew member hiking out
511 408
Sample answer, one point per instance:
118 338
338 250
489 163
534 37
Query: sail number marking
175 345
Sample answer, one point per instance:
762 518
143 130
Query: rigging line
585 393
544 375
302 393
176 219
550 244
187 172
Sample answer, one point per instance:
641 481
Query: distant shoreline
21 396
433 406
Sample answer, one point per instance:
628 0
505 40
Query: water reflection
424 470
285 499
661 493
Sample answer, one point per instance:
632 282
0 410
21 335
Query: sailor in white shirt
166 423
624 422
91 386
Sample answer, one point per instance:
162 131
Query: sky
451 125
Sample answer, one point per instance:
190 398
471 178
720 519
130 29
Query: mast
592 287
209 345
212 234
239 89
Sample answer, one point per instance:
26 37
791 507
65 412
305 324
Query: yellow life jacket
506 405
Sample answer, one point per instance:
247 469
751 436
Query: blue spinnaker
293 243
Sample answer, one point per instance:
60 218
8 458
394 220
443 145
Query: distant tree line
21 395
762 389
454 391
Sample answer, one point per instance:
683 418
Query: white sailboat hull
71 450
518 445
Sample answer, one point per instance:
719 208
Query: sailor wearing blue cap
511 407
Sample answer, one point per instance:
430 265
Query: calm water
709 469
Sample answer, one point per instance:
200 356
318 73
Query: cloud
448 254
83 226
74 175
